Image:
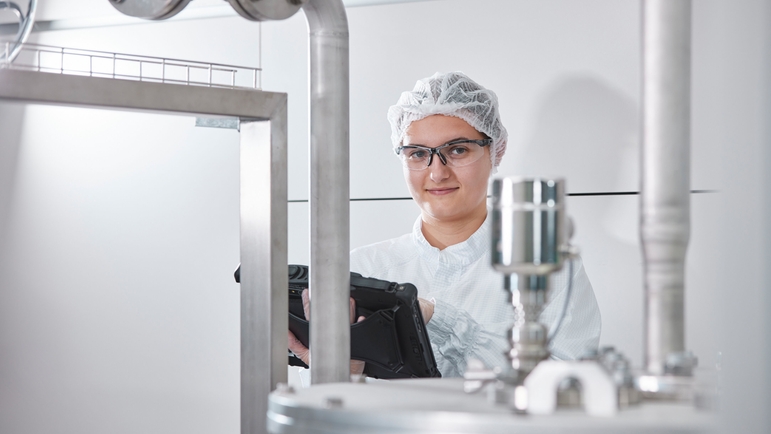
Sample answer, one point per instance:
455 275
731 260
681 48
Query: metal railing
60 60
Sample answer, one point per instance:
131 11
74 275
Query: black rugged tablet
392 338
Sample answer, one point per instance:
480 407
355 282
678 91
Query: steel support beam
264 280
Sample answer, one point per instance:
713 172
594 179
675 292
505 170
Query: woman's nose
438 171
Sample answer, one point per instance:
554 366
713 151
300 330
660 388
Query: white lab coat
472 313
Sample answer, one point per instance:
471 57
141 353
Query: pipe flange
266 10
666 387
150 9
619 368
680 363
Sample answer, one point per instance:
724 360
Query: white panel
566 74
371 222
11 117
118 307
285 62
734 107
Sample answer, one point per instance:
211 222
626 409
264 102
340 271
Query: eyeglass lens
457 154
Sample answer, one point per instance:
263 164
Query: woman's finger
298 348
426 309
352 309
306 296
357 367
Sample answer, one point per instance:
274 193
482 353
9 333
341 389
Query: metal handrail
61 60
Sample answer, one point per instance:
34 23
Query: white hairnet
451 94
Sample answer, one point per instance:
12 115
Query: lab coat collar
463 253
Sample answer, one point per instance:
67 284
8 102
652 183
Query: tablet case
392 339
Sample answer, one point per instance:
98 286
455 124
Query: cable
567 302
596 193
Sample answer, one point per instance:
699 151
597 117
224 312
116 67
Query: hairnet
451 94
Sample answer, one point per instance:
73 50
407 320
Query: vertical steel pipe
264 280
329 191
529 238
665 175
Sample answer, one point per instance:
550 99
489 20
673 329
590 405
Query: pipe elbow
326 17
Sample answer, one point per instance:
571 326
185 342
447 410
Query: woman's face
442 192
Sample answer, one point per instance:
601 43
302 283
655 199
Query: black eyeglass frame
442 158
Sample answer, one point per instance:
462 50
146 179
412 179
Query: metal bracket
228 123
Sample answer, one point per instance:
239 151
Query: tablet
392 339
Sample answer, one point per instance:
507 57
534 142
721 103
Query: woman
448 135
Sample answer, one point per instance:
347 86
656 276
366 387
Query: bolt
334 402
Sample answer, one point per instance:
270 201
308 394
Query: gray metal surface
441 406
150 9
529 229
264 280
329 191
263 117
226 123
45 88
266 10
665 184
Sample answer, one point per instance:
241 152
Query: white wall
117 305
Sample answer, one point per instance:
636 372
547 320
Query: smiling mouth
441 191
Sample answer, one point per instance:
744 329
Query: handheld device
392 339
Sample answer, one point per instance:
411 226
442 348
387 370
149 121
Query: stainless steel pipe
529 225
665 175
10 50
330 340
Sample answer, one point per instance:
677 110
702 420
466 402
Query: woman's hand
426 309
301 351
